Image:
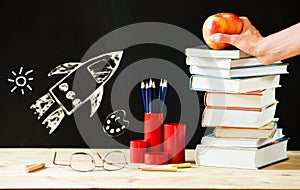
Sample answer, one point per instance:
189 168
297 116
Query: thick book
265 132
236 85
203 51
263 70
212 140
224 63
254 99
242 157
242 117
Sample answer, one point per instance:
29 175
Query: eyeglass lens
114 160
81 161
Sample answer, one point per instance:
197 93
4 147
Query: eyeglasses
85 162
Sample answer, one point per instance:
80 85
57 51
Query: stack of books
240 106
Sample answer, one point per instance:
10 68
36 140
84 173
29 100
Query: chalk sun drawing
21 80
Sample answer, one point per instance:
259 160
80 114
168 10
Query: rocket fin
96 100
64 68
54 119
42 105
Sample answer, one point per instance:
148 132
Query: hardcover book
242 157
236 85
272 69
224 63
212 140
254 99
242 117
265 132
204 51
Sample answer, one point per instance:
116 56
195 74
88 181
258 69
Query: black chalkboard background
39 35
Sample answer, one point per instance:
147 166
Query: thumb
221 38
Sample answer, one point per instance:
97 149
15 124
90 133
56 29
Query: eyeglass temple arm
54 158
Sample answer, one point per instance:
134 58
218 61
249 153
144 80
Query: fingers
222 38
246 22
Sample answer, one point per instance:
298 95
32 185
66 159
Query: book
236 85
242 117
264 132
272 69
224 63
212 140
242 157
204 51
253 99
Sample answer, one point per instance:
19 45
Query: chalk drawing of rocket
98 69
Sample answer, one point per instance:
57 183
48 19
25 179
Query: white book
224 63
254 99
263 70
211 140
243 117
241 157
236 85
204 51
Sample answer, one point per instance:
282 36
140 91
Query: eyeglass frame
93 161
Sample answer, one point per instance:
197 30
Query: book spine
206 94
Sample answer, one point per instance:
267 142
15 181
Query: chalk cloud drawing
100 69
20 80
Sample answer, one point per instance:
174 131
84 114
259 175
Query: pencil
181 165
147 97
143 95
150 95
163 93
160 169
153 95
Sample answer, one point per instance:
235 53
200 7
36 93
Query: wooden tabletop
13 161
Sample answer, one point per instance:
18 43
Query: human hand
246 41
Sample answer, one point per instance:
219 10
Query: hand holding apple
223 22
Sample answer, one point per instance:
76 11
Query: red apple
223 22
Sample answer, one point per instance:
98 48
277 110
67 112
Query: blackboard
37 36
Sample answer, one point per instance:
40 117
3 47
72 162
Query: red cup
174 142
138 149
153 131
156 158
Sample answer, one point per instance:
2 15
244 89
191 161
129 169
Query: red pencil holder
153 131
156 158
138 149
174 142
